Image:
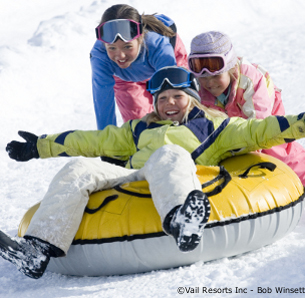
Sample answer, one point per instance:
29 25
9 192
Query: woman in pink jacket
240 89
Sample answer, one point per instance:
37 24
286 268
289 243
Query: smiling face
216 85
172 104
123 53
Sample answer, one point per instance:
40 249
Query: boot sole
196 212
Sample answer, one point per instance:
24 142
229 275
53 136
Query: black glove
23 151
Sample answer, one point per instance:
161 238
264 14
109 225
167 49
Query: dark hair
149 21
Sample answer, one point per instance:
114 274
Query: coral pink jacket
253 95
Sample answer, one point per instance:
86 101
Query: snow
45 83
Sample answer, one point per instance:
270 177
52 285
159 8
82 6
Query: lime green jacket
209 140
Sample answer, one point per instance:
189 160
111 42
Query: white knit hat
214 42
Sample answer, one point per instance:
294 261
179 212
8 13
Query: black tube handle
223 174
264 165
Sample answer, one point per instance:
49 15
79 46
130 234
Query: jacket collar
195 113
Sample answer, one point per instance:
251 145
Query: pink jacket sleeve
265 100
255 92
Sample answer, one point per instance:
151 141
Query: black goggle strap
195 83
141 24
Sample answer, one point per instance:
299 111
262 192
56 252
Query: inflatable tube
121 231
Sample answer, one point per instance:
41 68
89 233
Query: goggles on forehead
125 29
174 76
210 63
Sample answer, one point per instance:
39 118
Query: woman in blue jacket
130 47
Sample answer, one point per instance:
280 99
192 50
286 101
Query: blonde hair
193 102
234 72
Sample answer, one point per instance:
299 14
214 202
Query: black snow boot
186 222
31 256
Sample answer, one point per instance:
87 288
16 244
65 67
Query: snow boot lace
31 256
186 222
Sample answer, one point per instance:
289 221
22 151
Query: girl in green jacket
163 148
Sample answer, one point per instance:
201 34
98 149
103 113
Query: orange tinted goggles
199 63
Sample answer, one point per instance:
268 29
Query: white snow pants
170 172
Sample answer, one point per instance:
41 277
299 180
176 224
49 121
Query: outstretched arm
116 142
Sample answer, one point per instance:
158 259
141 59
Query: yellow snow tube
255 200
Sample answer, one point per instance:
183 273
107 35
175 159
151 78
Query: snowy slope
45 85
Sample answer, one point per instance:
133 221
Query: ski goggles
125 29
210 63
174 76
